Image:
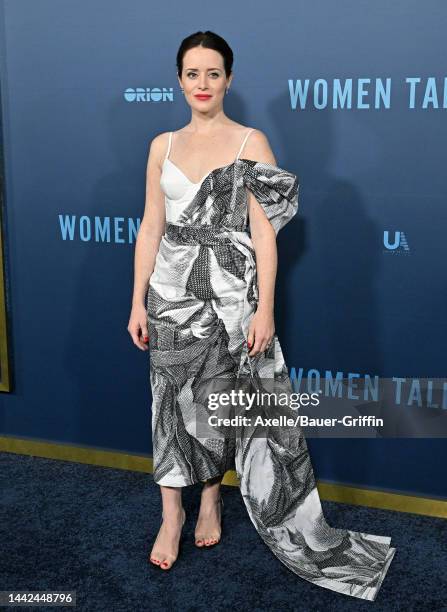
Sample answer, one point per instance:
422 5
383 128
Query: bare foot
208 528
166 546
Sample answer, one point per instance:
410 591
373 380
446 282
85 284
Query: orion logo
395 244
149 94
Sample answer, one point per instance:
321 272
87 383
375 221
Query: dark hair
209 40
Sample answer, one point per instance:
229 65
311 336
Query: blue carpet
73 526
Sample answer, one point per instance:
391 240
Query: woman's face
203 74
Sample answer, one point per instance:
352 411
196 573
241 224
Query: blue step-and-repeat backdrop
353 98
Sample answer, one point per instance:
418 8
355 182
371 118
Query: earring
182 90
227 90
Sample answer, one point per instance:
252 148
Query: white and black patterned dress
201 297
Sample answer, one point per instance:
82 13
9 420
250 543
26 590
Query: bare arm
264 242
149 235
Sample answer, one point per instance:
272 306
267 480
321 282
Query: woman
205 262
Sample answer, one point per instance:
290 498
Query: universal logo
149 94
397 244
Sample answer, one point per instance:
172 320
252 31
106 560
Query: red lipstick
202 96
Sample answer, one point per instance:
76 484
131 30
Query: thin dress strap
244 141
169 146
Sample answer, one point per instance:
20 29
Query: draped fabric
201 297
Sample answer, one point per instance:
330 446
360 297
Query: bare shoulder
158 147
258 148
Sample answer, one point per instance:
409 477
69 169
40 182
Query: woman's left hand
260 331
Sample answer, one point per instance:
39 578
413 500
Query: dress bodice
220 197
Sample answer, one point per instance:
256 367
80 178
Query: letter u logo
386 240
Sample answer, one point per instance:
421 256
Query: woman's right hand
137 327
